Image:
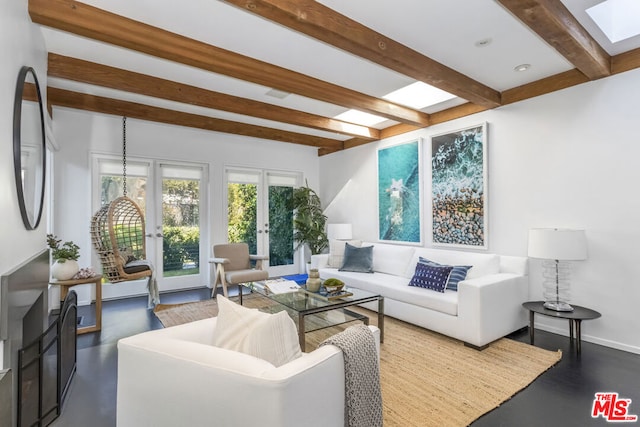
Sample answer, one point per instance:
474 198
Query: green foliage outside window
242 214
181 226
280 226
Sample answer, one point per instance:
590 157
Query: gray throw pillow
359 260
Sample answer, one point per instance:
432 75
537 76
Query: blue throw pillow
458 273
431 276
359 260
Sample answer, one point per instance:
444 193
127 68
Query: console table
575 318
65 285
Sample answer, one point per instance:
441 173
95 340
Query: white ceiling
444 30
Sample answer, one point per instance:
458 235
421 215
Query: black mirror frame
17 159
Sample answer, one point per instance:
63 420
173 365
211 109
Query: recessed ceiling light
483 43
618 19
418 95
360 118
522 67
280 94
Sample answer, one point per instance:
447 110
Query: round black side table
575 318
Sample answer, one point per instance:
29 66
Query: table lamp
557 246
339 232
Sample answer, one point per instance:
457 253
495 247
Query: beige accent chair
233 266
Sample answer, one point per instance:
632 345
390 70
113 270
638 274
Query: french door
173 198
259 213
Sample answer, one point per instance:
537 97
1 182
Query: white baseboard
589 338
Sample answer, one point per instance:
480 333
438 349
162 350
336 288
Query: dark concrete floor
562 396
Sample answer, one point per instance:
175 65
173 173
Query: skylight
359 117
618 19
418 95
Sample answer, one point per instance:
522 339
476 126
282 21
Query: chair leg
219 277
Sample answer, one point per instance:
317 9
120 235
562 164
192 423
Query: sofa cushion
483 264
431 276
358 259
270 337
336 251
395 288
391 259
458 273
443 302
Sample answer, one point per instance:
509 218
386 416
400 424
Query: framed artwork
400 193
459 188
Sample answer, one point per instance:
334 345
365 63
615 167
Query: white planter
64 270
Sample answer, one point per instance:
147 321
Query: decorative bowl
336 288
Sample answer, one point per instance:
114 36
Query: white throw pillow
336 251
271 337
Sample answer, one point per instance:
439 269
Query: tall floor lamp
556 246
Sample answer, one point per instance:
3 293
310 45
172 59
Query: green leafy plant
308 221
64 252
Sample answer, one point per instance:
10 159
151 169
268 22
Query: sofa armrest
490 307
320 261
168 377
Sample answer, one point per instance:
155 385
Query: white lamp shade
339 231
558 244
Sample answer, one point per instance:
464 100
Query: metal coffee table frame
306 304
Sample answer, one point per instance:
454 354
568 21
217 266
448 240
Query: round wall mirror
29 151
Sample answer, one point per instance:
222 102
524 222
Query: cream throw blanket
363 398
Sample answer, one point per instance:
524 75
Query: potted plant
65 257
308 220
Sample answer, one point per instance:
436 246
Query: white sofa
487 305
176 377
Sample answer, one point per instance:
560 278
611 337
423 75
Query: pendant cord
124 155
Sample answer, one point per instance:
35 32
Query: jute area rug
427 379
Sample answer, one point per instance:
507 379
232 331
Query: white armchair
175 376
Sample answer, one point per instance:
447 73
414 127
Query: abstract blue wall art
459 188
400 193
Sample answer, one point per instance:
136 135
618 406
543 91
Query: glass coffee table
312 312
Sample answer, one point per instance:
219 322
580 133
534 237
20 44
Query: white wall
21 43
80 133
567 159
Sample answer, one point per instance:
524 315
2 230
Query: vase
64 269
314 282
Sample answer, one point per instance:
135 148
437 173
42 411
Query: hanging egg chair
118 235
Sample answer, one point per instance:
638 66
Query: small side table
575 318
65 285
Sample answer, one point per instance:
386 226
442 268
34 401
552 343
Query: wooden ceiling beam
323 23
97 104
88 21
625 61
78 70
552 21
544 86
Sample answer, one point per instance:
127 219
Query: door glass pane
180 226
281 246
242 214
111 182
